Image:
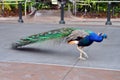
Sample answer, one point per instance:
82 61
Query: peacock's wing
52 34
79 33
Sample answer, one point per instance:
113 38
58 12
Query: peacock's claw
82 58
86 56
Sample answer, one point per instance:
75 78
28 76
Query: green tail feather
53 34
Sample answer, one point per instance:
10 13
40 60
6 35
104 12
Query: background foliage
83 8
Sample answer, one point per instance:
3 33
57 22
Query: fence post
108 22
20 20
62 13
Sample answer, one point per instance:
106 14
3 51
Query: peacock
80 37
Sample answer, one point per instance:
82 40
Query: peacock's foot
86 56
82 58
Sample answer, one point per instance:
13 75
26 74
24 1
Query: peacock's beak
106 37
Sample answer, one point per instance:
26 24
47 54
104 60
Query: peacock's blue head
103 35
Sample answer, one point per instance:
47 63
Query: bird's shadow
36 50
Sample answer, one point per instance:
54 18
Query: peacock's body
73 36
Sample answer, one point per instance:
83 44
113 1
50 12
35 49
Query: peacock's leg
81 53
85 54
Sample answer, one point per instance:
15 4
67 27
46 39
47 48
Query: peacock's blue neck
94 37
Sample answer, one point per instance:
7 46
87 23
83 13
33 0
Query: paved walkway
56 19
26 71
10 70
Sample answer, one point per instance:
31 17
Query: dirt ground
14 13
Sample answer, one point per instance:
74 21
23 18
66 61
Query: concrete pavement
55 20
27 71
53 61
103 55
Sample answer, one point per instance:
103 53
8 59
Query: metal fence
85 3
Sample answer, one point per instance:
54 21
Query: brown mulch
96 15
15 13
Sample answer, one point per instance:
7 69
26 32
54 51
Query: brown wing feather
75 34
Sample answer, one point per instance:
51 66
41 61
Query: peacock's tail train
52 34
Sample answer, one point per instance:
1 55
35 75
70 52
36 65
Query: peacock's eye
99 34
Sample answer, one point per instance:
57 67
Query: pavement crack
70 69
